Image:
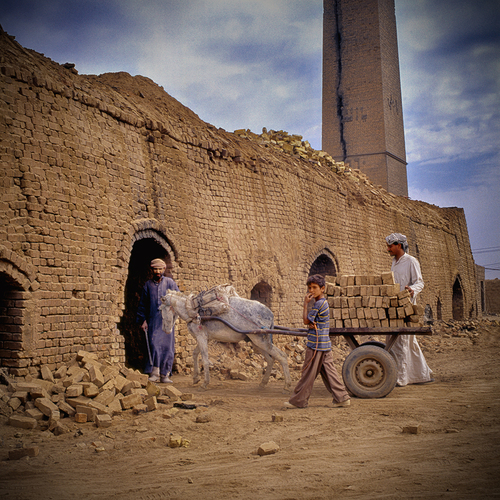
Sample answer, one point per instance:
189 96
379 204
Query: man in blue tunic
161 345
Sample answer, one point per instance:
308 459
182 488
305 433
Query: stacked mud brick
84 390
370 302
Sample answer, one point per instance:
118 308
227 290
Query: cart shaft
334 332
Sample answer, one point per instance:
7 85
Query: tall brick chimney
362 109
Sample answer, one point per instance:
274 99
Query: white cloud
450 70
235 63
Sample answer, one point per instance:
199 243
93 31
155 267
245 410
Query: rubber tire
362 368
374 342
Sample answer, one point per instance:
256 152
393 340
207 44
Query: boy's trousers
318 362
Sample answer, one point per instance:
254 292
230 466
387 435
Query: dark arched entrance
323 265
428 314
12 305
458 301
262 292
139 271
439 310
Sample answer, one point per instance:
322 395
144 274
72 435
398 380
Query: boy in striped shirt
318 358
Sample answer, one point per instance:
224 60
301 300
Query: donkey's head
168 313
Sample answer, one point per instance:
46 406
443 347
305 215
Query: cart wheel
369 372
374 342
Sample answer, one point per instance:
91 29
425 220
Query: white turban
158 263
397 238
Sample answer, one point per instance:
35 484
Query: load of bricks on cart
370 301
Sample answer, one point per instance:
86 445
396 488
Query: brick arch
150 229
12 314
147 243
439 309
458 305
160 240
17 318
14 277
428 313
262 292
18 269
324 263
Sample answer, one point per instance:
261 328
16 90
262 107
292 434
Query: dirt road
359 452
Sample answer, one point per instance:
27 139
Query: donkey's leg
264 343
196 368
200 335
203 349
269 365
282 358
194 331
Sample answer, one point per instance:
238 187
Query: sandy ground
359 452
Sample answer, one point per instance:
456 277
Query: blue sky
257 63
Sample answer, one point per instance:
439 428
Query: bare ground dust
359 452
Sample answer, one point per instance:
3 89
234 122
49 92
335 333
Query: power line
486 250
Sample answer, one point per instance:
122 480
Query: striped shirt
320 314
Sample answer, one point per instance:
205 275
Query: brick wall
103 173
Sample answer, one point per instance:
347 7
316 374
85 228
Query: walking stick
147 343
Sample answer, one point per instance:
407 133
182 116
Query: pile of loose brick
294 145
370 301
85 390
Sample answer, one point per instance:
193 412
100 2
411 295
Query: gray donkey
245 315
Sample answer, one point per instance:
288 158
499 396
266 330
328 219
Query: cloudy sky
257 63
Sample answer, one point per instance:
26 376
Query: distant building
492 288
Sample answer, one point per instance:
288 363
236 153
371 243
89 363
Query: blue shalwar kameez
161 344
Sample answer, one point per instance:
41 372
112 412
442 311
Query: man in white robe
410 361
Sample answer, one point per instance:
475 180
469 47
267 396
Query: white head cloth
158 263
397 238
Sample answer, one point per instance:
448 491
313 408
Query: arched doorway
458 301
262 292
428 317
439 310
139 271
12 306
323 265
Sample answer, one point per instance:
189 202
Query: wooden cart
369 371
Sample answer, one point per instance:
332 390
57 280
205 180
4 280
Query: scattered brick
130 401
46 406
81 418
19 453
90 412
151 403
173 393
103 421
22 422
412 429
268 448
